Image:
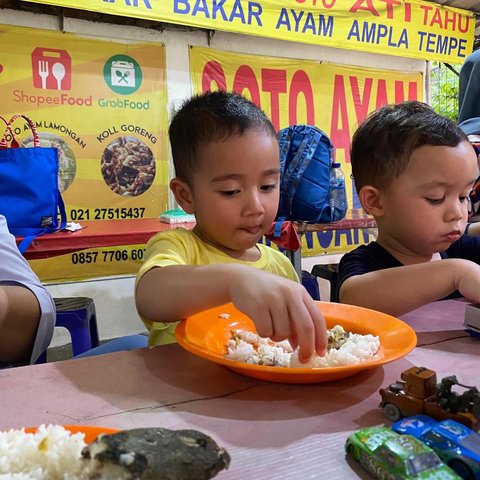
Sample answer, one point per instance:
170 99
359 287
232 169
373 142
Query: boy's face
235 191
425 209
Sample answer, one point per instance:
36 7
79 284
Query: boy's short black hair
211 117
384 142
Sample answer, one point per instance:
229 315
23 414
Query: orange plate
91 433
205 335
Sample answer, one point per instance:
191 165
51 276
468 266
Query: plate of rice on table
46 452
358 339
56 452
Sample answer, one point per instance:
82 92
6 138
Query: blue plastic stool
329 272
311 284
77 315
42 358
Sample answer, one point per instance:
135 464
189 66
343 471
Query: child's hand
281 309
468 283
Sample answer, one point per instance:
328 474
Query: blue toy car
457 445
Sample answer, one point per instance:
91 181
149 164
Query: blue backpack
306 158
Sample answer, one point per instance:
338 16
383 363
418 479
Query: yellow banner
93 262
414 28
103 106
335 98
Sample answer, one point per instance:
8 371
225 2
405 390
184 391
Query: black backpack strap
292 175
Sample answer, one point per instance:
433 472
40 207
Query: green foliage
444 90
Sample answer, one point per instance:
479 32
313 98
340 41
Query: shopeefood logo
43 100
122 74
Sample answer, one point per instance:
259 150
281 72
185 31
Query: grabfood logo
123 75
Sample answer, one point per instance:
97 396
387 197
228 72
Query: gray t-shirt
15 270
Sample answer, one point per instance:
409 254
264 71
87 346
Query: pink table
270 430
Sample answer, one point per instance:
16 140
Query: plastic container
338 193
177 215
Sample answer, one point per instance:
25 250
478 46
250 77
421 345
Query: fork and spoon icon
58 71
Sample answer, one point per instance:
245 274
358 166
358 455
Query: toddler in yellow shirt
226 158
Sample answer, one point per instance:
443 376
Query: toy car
389 455
418 392
472 319
457 445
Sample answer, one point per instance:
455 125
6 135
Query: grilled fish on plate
154 454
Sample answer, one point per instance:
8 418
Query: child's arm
401 289
280 308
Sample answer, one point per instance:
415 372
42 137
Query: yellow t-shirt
183 247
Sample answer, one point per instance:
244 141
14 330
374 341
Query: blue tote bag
29 196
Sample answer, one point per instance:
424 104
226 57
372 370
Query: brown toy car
418 392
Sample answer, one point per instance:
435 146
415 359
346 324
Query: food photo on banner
102 104
333 97
410 28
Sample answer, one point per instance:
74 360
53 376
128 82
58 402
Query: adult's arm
27 311
19 318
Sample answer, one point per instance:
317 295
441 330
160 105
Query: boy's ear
371 200
183 195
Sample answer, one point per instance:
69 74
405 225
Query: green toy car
391 456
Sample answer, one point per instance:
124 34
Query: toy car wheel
392 412
353 452
461 469
476 411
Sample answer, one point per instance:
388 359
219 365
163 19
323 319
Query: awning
413 28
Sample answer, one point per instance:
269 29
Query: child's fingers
280 321
263 322
304 329
320 328
293 341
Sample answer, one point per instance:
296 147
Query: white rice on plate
51 453
344 348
